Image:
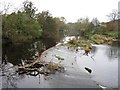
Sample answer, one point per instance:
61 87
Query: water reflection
10 81
49 42
94 50
14 53
104 66
112 52
9 76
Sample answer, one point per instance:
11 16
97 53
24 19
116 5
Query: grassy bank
96 39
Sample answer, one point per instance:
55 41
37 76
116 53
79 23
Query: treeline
25 25
84 27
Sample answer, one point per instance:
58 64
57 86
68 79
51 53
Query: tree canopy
26 25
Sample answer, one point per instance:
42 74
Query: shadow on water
14 53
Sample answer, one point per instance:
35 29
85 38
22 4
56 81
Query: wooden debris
38 67
87 49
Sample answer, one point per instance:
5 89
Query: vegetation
97 39
26 25
59 58
78 43
20 28
100 39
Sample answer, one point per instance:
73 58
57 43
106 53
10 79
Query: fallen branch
39 67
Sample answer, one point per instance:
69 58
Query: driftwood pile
38 67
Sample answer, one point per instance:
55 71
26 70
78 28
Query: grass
97 39
100 39
59 58
76 43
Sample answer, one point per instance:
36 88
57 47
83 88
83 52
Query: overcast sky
71 9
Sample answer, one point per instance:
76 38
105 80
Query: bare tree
5 7
114 15
95 22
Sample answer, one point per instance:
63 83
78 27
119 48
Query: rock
89 70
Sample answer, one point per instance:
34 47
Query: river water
103 61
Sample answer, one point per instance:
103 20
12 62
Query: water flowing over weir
102 61
104 64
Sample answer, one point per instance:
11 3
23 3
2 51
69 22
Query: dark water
15 53
103 61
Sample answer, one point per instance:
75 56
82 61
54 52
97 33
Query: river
103 61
